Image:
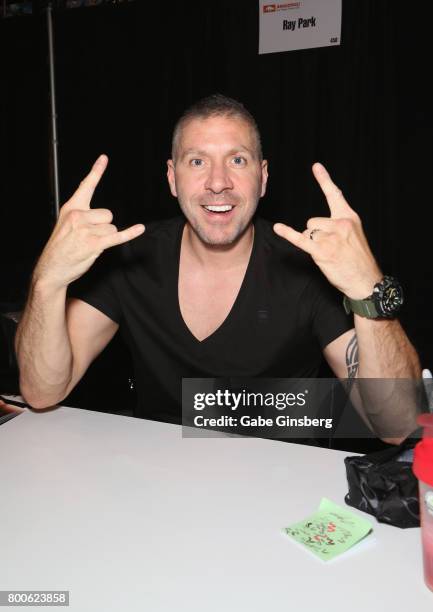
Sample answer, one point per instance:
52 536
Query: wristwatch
384 303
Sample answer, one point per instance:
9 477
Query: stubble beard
237 229
232 237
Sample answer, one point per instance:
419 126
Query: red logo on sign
271 8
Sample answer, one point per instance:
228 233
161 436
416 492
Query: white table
129 516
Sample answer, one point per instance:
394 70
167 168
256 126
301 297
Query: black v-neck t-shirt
283 317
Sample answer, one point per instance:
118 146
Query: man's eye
239 161
196 163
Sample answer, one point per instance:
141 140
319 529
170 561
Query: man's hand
339 247
80 235
9 408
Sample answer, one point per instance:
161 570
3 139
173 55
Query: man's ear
264 177
171 177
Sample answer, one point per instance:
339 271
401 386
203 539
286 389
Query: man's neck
221 257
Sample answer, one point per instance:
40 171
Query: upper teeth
219 208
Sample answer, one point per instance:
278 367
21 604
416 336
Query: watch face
389 297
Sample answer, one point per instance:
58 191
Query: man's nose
218 178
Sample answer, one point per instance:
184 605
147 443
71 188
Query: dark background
125 73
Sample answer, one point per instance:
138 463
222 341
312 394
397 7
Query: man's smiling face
217 176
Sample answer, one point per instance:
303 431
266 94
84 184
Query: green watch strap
363 308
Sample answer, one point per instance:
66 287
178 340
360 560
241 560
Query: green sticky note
330 531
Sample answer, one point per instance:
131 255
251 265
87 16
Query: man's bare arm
55 343
339 247
374 349
385 350
379 354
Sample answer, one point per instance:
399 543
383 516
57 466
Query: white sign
285 26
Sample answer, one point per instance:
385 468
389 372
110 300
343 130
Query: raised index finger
83 195
334 196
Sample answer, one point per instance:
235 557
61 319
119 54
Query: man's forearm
43 347
384 350
390 372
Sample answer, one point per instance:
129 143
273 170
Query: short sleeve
98 286
329 319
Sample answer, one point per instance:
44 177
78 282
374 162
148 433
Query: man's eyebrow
193 152
240 149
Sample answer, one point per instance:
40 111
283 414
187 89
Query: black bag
384 486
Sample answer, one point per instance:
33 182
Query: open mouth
218 209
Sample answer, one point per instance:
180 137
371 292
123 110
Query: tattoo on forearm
352 357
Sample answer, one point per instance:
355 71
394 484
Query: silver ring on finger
313 231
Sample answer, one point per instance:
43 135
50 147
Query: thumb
296 238
123 236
